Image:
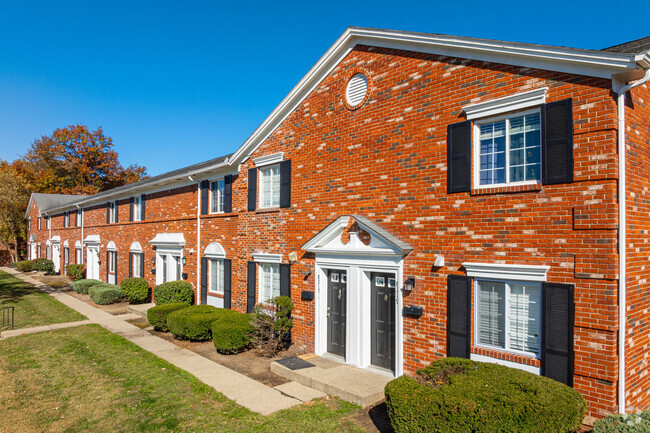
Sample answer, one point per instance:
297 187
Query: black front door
383 320
336 294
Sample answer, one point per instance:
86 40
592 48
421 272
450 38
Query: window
137 265
38 223
269 281
216 276
112 212
66 219
78 258
177 261
66 255
137 209
112 256
269 186
508 315
508 150
164 267
217 190
39 251
29 224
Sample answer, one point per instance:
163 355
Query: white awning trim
65 244
135 247
77 244
111 246
533 98
55 240
267 258
92 239
214 250
506 271
168 239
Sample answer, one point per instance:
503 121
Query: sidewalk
235 386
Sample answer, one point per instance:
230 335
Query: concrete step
140 309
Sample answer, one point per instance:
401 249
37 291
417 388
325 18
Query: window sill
215 294
268 210
507 189
503 355
219 215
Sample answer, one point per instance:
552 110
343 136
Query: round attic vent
357 88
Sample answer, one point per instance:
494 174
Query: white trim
508 103
211 195
174 240
77 244
502 271
214 250
65 243
55 239
91 239
267 258
260 279
525 367
268 159
135 247
111 246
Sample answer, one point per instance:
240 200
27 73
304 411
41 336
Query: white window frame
137 206
476 144
112 258
213 266
137 265
38 223
273 185
78 255
48 222
112 214
218 188
260 280
66 255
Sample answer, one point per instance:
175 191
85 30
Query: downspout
80 218
198 239
622 239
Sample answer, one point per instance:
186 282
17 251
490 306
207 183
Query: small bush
104 293
194 323
44 265
136 290
173 291
157 315
625 423
272 323
25 265
75 272
232 333
458 395
82 286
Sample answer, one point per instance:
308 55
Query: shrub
194 323
25 265
157 315
232 333
458 395
625 423
104 293
173 291
75 272
272 323
136 290
82 286
44 265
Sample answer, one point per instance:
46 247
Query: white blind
524 317
216 276
491 312
357 88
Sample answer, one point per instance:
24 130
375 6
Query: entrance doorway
169 266
56 257
92 261
336 304
382 320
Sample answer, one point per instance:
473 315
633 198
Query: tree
75 160
14 197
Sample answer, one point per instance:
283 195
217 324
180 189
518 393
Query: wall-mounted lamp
409 284
184 260
153 261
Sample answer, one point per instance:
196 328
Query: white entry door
32 254
168 266
92 263
56 257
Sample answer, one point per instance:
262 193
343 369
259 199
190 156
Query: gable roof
636 46
48 201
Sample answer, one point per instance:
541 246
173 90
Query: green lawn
89 379
32 307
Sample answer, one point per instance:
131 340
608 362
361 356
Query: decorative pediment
168 240
355 234
92 239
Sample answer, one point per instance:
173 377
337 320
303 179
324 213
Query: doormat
294 363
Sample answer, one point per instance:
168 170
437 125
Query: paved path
242 389
37 329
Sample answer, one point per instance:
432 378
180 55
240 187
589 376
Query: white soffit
91 239
518 101
267 258
168 239
214 250
506 271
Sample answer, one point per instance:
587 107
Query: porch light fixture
184 260
409 284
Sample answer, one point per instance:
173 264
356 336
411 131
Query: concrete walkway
37 329
242 389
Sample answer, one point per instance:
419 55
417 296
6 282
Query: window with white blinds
508 315
216 276
269 186
217 190
269 281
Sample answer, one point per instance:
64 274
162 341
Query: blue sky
175 83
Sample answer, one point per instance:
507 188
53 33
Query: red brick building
417 196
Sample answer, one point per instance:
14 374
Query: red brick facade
387 160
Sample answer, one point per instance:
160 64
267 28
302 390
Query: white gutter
80 217
622 238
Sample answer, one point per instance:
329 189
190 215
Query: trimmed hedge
82 286
44 265
194 323
173 291
625 423
136 290
157 315
459 395
25 265
76 272
104 293
232 333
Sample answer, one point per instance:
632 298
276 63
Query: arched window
215 255
136 261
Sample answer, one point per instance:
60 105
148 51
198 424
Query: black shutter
557 332
107 264
285 280
117 211
142 265
142 212
227 278
250 286
227 194
65 217
252 188
76 218
205 185
557 142
130 265
285 183
204 280
459 307
131 209
108 213
115 258
459 157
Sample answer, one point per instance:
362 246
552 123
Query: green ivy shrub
76 272
25 265
44 265
459 395
104 293
194 323
272 323
232 333
625 423
157 316
173 291
82 286
136 290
